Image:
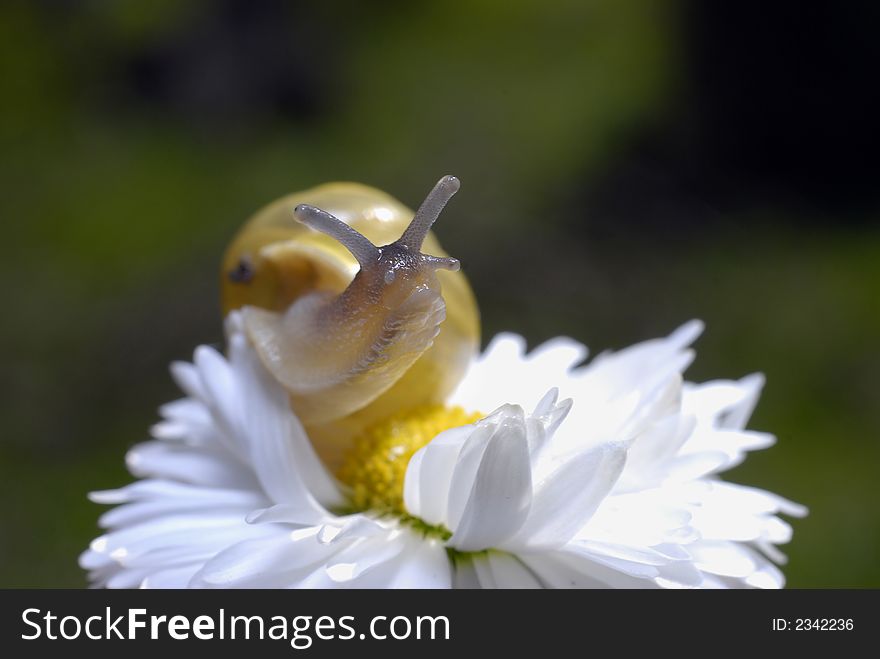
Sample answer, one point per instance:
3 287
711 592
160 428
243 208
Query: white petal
566 500
733 444
504 348
724 403
127 578
501 494
775 531
547 404
359 560
509 572
185 420
152 489
559 355
504 374
218 382
489 379
643 366
226 501
649 456
429 475
465 575
669 563
632 554
424 565
691 466
175 578
555 570
766 576
186 376
170 557
483 571
353 527
645 518
466 468
545 420
198 466
280 451
257 563
727 559
583 558
297 514
192 530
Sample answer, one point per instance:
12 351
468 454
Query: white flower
616 486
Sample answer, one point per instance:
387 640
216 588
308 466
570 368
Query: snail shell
354 332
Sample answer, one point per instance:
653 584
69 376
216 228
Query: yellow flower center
375 466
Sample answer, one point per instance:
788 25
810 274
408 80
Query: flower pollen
375 465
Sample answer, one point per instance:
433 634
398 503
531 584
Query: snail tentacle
410 241
428 212
442 262
355 242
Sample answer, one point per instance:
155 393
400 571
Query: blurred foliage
136 137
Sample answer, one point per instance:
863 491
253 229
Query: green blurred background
626 165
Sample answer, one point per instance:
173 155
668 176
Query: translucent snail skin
352 305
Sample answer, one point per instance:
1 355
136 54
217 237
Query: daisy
597 475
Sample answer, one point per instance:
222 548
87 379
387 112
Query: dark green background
625 166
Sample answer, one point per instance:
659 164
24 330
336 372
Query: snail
352 305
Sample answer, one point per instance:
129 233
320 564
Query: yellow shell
276 260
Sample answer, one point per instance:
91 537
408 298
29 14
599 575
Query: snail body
352 305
